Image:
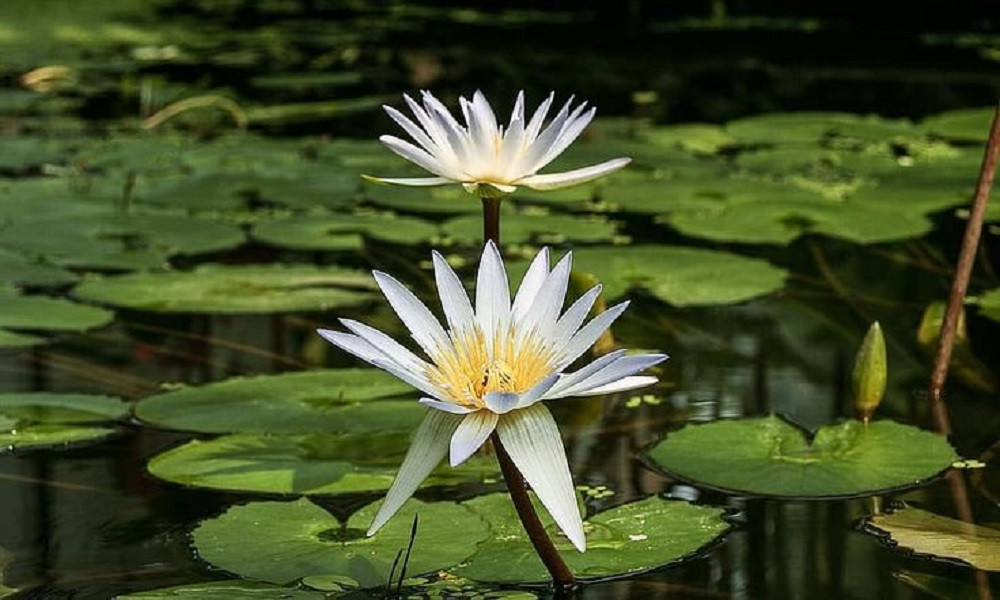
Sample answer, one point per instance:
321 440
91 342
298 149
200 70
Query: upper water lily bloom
485 158
490 369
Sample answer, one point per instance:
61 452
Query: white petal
540 146
619 369
423 326
501 402
571 130
622 385
569 380
483 126
552 181
388 346
418 134
539 320
410 181
538 391
588 334
471 434
353 344
518 113
430 444
492 294
448 407
446 151
417 380
532 439
417 156
570 321
530 284
535 125
454 299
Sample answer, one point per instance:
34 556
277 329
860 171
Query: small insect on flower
490 369
485 158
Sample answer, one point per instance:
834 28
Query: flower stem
551 558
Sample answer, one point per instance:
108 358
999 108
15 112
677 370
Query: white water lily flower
490 369
482 155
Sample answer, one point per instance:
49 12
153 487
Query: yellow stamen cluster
474 367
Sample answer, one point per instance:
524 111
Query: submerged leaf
226 590
927 533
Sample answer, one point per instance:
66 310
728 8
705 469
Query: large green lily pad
626 539
927 533
447 199
303 464
343 231
520 228
40 419
18 269
42 313
232 289
770 457
282 542
811 127
326 401
680 276
962 125
227 590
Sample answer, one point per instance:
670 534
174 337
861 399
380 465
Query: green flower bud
870 373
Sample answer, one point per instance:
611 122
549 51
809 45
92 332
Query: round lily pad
304 464
680 276
39 419
520 228
42 313
962 125
770 457
940 536
326 401
18 269
808 127
282 542
232 289
343 231
626 539
227 590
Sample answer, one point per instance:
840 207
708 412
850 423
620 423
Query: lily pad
770 457
230 289
927 533
304 464
325 401
448 199
521 228
42 313
343 231
18 269
227 590
9 339
680 276
282 542
962 125
701 138
29 419
811 127
626 539
989 304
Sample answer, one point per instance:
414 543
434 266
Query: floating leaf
42 313
701 138
680 276
450 199
927 533
810 127
282 542
962 125
9 339
231 289
323 401
18 269
33 419
625 539
521 228
770 457
227 590
311 464
343 231
24 152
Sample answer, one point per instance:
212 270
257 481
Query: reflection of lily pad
769 457
313 464
343 231
282 542
226 590
680 276
519 228
330 401
232 289
927 533
30 419
626 539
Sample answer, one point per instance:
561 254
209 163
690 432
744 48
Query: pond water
193 168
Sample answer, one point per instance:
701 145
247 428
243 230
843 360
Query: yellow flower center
472 367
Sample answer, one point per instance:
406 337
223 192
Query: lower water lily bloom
482 155
490 369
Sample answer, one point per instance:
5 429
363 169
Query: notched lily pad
229 289
770 457
40 419
325 401
303 464
680 276
626 539
283 542
939 536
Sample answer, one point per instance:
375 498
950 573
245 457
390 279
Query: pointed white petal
541 145
471 434
535 125
417 156
388 346
511 148
423 326
551 181
417 380
622 385
353 344
418 134
533 279
492 293
538 391
410 181
539 321
569 380
430 444
448 407
588 334
454 299
571 130
518 113
532 439
570 321
501 402
619 369
483 127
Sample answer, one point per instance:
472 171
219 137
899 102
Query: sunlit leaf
770 457
963 125
927 533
